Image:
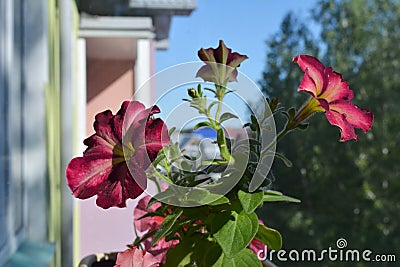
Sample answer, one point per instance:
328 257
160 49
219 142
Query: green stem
277 138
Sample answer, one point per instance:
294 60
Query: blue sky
243 25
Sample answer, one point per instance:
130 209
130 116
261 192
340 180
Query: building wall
109 83
30 173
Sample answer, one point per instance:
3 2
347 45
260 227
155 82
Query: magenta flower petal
111 195
315 71
336 88
159 251
86 174
206 73
103 169
115 191
156 135
103 127
147 223
134 257
339 120
140 131
256 246
207 54
221 64
308 85
333 95
358 118
150 224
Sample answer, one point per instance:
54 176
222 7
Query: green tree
350 189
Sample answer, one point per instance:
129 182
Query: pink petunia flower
134 257
221 64
331 95
147 223
160 249
256 245
117 155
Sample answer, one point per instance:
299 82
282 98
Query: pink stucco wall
109 82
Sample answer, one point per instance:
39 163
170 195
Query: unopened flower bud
193 93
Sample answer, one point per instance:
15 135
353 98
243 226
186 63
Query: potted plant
201 211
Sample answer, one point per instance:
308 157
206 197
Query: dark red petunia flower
221 64
331 95
117 155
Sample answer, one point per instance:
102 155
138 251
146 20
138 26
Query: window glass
3 184
3 119
15 116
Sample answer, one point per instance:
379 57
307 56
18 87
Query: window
11 150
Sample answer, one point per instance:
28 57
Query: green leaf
270 237
202 124
206 253
302 126
164 196
180 254
226 116
291 112
237 233
170 131
221 200
273 192
204 196
245 258
190 196
250 201
166 225
211 90
141 239
157 174
284 159
199 90
273 104
273 197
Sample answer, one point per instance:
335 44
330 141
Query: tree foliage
348 190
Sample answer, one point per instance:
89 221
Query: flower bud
193 93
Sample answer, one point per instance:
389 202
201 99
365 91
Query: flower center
312 106
121 152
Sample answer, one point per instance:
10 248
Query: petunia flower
117 155
134 257
221 64
331 94
256 245
148 224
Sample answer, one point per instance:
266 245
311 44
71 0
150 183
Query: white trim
80 135
117 34
164 4
81 94
129 27
143 88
